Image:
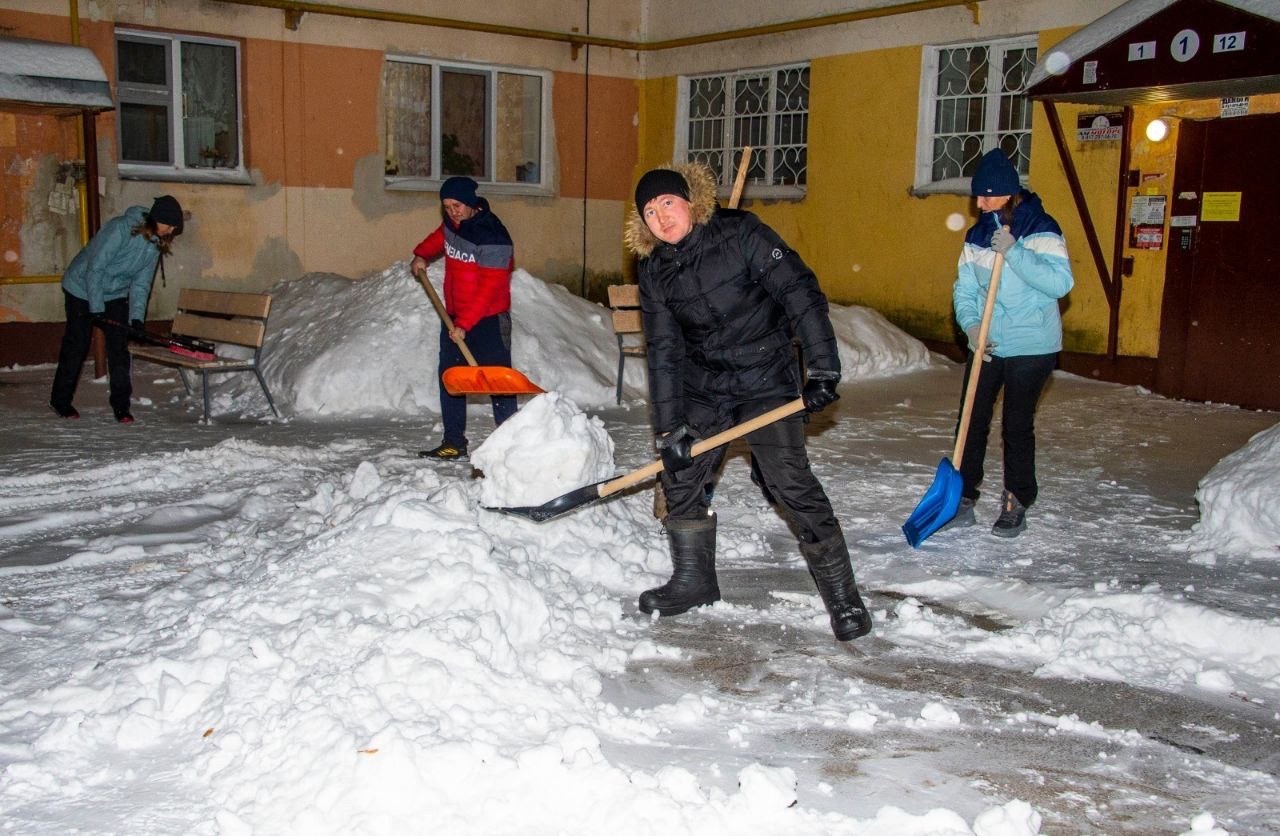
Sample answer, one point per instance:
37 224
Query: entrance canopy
1161 50
46 77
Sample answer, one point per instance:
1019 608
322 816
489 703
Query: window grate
766 109
973 101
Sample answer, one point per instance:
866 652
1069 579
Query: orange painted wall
613 153
310 111
312 136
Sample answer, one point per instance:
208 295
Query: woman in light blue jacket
1025 334
110 280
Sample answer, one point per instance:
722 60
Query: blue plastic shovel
942 500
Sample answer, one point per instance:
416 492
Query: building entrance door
1220 320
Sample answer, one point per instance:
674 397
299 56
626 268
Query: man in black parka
721 296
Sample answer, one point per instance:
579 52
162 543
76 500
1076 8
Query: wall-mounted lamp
1157 130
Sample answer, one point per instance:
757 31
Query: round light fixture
1157 130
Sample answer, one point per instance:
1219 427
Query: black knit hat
659 181
461 189
165 209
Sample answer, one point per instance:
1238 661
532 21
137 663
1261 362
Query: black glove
676 448
136 324
98 319
820 391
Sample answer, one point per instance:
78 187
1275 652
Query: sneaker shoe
67 411
124 417
1012 519
964 515
446 452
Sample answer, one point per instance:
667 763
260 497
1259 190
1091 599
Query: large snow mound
1240 500
341 347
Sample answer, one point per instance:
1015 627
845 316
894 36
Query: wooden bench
218 317
624 299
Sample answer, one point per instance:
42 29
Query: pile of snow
337 347
548 448
1144 639
1240 500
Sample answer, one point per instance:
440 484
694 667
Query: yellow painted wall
872 243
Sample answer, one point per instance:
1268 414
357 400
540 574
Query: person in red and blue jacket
479 257
1025 336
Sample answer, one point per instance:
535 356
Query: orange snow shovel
473 378
583 496
942 500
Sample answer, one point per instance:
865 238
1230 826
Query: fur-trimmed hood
702 205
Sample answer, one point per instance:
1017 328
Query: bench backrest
625 301
222 316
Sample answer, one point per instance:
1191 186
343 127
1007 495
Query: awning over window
1161 50
51 77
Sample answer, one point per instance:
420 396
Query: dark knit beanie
165 209
659 181
995 176
461 189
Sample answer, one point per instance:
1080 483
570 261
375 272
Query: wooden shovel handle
738 182
979 352
444 316
720 438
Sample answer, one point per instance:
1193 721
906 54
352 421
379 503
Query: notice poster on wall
1148 209
1146 219
1145 237
1220 206
1099 127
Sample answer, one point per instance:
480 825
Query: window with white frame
178 102
446 119
766 109
971 100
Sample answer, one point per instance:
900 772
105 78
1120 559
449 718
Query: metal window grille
974 103
767 109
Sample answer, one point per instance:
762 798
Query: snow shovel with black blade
942 500
473 378
186 346
584 496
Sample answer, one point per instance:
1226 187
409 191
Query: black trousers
490 343
1022 379
779 451
75 348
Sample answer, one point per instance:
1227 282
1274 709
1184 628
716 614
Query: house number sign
1186 45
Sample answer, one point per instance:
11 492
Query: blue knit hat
995 175
461 189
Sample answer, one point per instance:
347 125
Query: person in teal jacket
109 280
1025 334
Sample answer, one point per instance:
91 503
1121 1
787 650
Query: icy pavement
233 627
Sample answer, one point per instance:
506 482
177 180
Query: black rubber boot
693 575
829 564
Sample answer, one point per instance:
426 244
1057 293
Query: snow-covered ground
297 626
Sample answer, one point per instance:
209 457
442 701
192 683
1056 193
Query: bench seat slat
246 332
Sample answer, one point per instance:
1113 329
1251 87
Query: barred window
766 109
446 119
178 105
972 101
